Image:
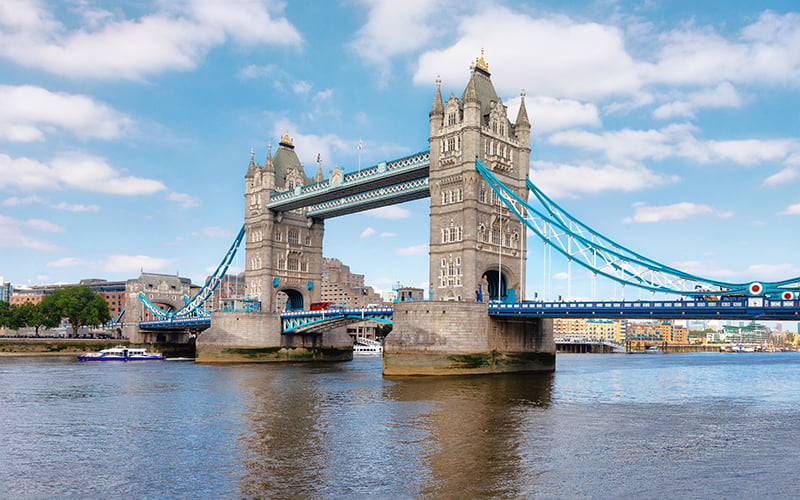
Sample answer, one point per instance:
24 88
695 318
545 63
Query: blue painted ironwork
602 256
753 308
396 172
170 323
388 195
193 305
305 321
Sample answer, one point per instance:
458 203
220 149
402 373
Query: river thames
699 425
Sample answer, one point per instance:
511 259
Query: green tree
5 314
382 331
29 314
78 304
790 337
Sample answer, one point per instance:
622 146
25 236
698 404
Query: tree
381 331
790 337
78 304
30 314
5 314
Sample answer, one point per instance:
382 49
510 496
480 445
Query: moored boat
121 353
367 347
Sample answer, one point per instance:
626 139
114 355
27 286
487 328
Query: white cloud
395 28
16 201
73 171
563 180
214 232
764 52
752 151
27 113
43 225
549 114
134 263
184 200
69 262
415 250
367 232
629 147
676 211
390 212
12 236
722 96
770 272
386 235
583 60
309 145
76 207
626 146
791 210
176 39
785 176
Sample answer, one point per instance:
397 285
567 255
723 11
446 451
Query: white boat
121 353
367 347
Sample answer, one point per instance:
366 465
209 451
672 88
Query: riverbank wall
21 346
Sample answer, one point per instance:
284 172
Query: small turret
251 168
472 104
319 177
522 127
437 110
268 172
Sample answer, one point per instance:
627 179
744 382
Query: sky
126 127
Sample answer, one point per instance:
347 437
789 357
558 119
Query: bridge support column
255 337
459 338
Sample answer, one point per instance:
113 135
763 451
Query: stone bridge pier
255 336
164 290
460 338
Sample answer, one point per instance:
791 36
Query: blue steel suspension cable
194 304
558 219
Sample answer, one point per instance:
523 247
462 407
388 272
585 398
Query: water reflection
350 433
475 429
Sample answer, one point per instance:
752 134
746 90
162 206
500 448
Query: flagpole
360 146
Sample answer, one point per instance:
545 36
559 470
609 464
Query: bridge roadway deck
384 175
752 308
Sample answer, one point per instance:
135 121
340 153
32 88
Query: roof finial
438 80
481 63
286 140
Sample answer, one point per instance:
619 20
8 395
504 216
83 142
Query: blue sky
126 126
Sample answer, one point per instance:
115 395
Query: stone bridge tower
477 246
283 250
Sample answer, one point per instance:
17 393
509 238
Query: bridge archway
289 299
496 284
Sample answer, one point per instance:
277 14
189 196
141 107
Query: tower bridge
477 319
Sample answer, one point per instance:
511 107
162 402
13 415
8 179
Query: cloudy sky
126 126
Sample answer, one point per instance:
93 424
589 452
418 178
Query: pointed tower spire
319 177
438 105
522 114
522 128
251 168
471 92
268 160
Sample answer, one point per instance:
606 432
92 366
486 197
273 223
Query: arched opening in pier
497 284
289 300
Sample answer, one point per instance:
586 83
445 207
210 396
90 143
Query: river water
698 425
